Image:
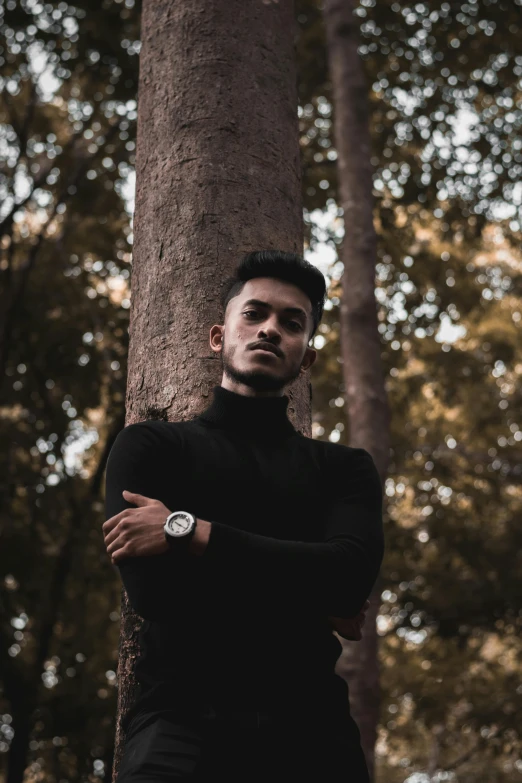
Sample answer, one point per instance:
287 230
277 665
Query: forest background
445 101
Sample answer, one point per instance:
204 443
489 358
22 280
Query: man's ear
308 359
216 337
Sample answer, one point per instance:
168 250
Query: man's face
272 312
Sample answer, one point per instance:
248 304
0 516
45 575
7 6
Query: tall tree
217 174
366 403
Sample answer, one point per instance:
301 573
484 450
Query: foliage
69 76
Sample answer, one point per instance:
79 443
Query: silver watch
179 525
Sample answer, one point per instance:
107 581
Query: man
244 545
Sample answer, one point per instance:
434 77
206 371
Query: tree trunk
217 175
18 752
366 402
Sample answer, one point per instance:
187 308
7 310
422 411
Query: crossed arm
339 573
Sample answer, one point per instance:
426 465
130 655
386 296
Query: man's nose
270 329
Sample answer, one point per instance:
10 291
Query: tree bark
217 175
366 401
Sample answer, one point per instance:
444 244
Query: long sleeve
137 463
336 574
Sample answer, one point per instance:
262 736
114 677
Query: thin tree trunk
366 401
217 174
23 722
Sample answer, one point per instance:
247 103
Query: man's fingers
118 555
138 500
111 523
113 536
131 497
115 530
116 544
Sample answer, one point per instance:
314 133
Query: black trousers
160 747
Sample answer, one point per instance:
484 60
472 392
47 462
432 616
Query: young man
243 545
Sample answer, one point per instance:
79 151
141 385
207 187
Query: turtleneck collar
253 416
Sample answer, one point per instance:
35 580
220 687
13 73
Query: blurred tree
366 403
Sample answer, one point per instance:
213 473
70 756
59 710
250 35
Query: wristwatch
180 525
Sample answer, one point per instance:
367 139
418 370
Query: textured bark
366 401
217 175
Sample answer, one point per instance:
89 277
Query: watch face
179 524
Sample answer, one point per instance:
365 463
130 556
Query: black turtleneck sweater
296 536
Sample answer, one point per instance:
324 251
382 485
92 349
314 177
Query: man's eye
293 323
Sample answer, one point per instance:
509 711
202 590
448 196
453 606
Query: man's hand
136 531
350 628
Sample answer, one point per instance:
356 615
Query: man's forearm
334 576
348 628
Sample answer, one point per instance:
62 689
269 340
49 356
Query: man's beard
256 379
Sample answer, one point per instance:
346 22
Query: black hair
290 267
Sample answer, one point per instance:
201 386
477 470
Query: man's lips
266 348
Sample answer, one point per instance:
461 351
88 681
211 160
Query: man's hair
284 266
